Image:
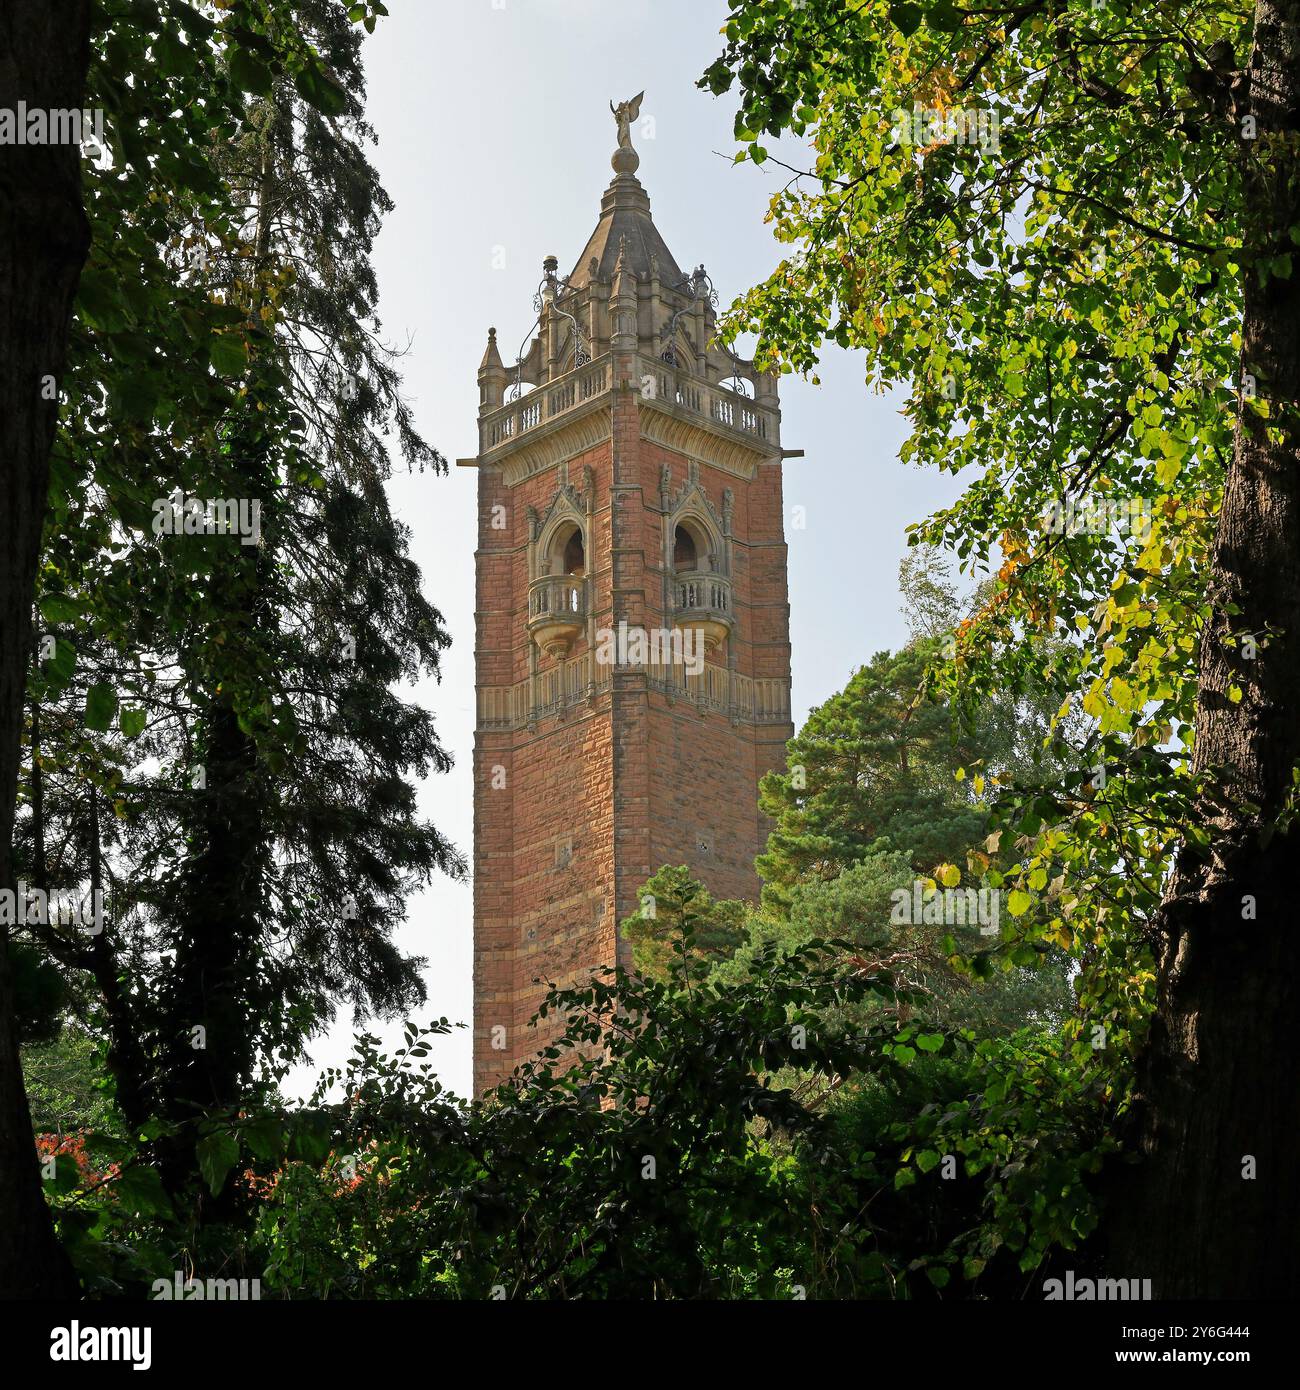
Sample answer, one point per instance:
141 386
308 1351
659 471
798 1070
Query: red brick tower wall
573 814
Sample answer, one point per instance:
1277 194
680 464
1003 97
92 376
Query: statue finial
626 160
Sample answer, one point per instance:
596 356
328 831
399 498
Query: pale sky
494 138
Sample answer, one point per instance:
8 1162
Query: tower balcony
557 612
677 391
702 602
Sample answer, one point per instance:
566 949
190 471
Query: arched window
685 554
563 551
696 550
573 558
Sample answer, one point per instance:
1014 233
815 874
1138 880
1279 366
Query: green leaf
228 353
250 74
943 17
217 1154
172 57
60 666
311 1140
101 706
136 397
141 1192
66 1179
132 722
100 302
265 1137
59 608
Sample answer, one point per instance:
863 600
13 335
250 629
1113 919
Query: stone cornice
696 437
551 443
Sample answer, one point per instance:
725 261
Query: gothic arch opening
571 553
694 548
563 550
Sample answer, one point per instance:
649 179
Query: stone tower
632 641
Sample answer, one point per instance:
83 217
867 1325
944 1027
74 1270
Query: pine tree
257 820
872 766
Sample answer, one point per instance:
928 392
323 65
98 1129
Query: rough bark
216 951
44 237
1217 1094
213 979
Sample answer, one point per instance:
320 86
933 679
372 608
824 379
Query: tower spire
491 375
625 215
492 355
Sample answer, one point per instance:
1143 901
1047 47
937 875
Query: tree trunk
44 237
126 1055
216 950
1213 1207
213 980
219 961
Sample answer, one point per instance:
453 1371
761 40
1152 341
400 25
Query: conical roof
625 217
492 355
